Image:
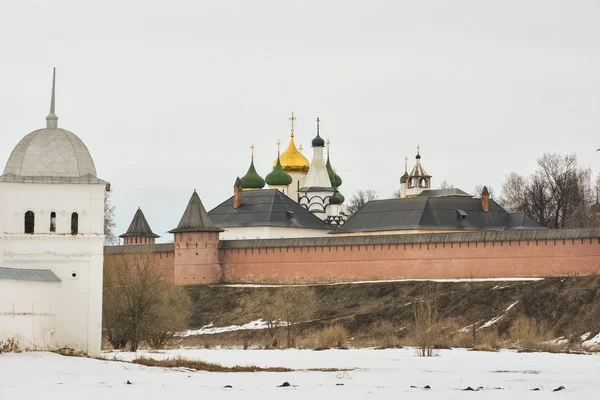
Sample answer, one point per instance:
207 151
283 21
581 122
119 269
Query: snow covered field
384 374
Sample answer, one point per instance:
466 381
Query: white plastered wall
75 303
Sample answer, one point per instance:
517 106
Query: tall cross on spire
292 119
252 149
52 119
278 146
406 164
328 146
318 120
418 150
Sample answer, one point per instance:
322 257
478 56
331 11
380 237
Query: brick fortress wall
507 254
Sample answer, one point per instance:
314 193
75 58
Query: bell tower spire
52 119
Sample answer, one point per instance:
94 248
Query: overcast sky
169 95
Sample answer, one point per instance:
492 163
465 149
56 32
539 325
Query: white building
51 242
411 185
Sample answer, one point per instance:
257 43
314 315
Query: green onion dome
278 176
252 179
334 178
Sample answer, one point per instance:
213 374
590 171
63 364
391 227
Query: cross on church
418 149
278 146
405 164
252 149
292 119
318 119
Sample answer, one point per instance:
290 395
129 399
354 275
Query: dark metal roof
444 193
139 227
432 213
420 238
31 275
266 207
140 248
195 218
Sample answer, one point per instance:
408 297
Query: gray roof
195 218
432 213
32 275
266 207
453 192
49 153
140 248
591 234
139 227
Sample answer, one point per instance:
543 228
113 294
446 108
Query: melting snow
210 329
496 319
595 341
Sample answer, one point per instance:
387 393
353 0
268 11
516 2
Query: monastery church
286 228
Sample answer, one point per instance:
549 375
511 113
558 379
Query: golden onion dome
292 160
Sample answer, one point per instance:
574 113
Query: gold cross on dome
293 119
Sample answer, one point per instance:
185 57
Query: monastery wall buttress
196 258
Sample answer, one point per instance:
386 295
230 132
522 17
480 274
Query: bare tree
294 305
558 194
358 200
445 185
109 221
426 327
139 304
285 307
479 190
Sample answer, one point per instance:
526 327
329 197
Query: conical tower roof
139 227
195 218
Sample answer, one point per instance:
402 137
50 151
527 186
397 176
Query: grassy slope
565 305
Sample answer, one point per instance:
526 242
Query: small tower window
29 222
74 224
52 221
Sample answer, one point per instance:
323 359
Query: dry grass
204 366
334 336
528 334
9 346
483 347
198 365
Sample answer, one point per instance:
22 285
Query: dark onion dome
404 177
334 178
278 176
318 141
340 196
335 198
252 179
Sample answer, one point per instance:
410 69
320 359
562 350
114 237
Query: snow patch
496 319
210 329
254 285
595 341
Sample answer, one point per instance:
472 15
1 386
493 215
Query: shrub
9 346
140 305
528 334
332 336
483 347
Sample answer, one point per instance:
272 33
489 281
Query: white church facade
51 243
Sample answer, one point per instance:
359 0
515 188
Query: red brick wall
320 264
165 261
197 258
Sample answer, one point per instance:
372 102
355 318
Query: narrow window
52 221
74 224
29 222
